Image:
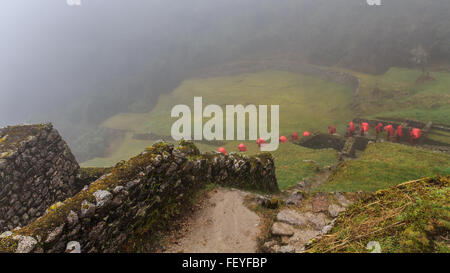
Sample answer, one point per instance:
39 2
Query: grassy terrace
306 103
310 103
396 94
383 165
438 135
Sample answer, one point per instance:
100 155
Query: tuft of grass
386 164
410 217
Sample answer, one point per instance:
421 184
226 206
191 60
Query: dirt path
223 224
319 179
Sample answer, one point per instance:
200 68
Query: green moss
8 245
122 173
411 217
14 135
91 173
188 148
54 206
162 209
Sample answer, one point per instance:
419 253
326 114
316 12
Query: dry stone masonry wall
137 200
37 169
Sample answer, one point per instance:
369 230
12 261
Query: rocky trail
223 221
222 224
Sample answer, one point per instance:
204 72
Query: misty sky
52 54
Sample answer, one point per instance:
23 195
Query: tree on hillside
420 57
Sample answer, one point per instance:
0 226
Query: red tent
260 142
294 136
242 147
306 133
222 150
351 126
400 131
392 130
416 133
378 128
365 126
389 131
283 139
332 130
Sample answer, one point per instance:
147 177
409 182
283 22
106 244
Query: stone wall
126 209
37 169
322 141
87 175
346 145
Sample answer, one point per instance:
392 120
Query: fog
77 65
51 53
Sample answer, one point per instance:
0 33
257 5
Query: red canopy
283 139
389 129
222 150
332 130
242 147
399 131
365 126
260 141
294 136
306 133
351 125
416 133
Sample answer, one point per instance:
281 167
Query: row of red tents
415 133
389 129
260 142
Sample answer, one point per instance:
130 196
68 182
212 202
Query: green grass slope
410 217
306 103
396 94
386 164
310 103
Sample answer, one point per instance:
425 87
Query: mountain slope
410 217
